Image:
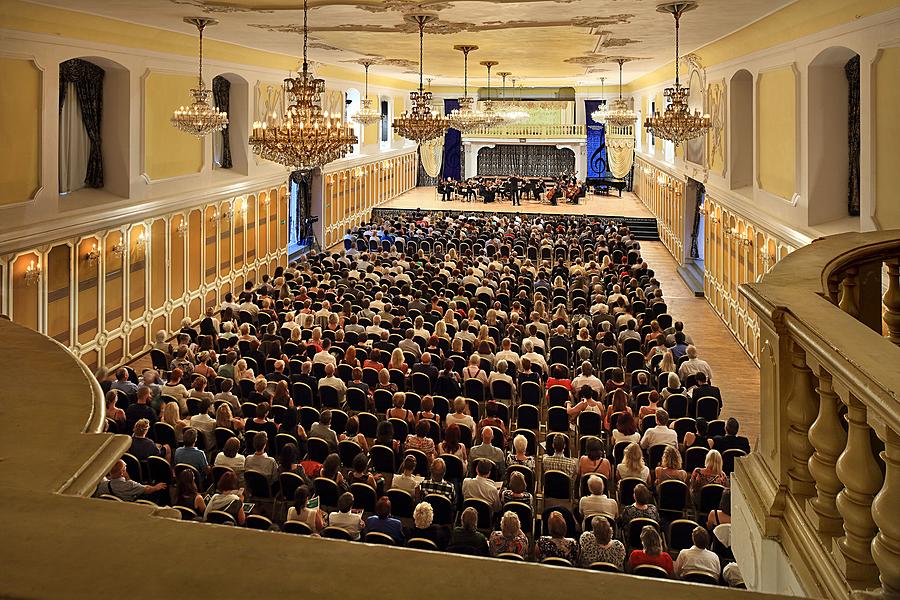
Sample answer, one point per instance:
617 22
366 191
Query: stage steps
692 274
642 228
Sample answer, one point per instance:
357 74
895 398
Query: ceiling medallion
200 118
467 117
306 137
420 123
619 114
367 113
677 124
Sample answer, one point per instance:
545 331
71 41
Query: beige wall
777 132
887 134
168 152
20 129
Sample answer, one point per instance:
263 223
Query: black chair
383 401
317 449
716 428
679 536
421 544
258 522
673 496
259 486
529 417
376 537
442 507
557 419
605 567
336 533
288 484
590 424
655 454
557 395
328 397
159 360
525 514
382 459
647 570
728 459
455 470
485 512
308 416
695 458
684 425
699 577
356 400
571 522
328 492
633 531
159 470
364 496
502 391
297 527
220 517
422 462
710 498
676 406
348 450
421 384
707 407
134 468
531 393
626 490
556 561
402 503
474 389
557 485
368 424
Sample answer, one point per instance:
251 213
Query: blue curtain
452 146
598 166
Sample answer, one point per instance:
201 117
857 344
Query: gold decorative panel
59 272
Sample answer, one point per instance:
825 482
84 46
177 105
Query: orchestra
514 188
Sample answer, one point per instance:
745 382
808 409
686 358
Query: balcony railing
825 482
530 131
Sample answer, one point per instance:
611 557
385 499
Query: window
385 121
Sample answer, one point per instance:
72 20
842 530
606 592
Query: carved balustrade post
801 411
848 301
891 300
862 479
829 439
886 546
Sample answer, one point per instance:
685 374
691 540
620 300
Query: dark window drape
852 71
452 146
221 96
88 80
526 160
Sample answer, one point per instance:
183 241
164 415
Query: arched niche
238 123
829 135
115 130
741 135
352 104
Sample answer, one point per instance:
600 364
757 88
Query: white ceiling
539 41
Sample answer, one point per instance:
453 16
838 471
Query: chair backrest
695 458
421 544
364 496
590 424
258 522
707 407
328 491
220 517
258 484
604 566
317 449
336 533
699 577
402 503
134 468
298 527
679 534
529 417
485 512
557 419
626 490
382 458
377 537
525 514
710 497
633 534
728 459
673 495
647 570
557 485
531 393
557 395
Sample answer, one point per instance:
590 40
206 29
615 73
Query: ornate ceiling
541 42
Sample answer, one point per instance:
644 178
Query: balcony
823 487
526 131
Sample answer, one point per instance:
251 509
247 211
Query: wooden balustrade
829 489
530 131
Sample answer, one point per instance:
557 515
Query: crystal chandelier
306 137
466 117
200 118
599 115
420 123
491 117
619 114
511 116
677 124
367 113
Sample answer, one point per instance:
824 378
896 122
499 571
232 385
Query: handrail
525 130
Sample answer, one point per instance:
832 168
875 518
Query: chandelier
600 114
466 117
677 124
367 113
492 118
420 123
200 118
306 137
619 114
511 116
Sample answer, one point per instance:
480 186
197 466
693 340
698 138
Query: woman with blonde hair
667 364
316 339
170 415
449 318
241 371
670 467
198 389
510 539
224 418
632 464
398 361
440 331
424 527
711 472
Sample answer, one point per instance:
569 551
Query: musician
445 189
514 190
555 192
537 188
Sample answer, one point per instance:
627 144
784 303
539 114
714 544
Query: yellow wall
399 107
372 133
887 132
794 21
658 142
777 131
20 130
168 152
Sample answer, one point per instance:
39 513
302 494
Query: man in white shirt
630 333
375 327
378 303
204 423
587 378
485 288
661 434
249 307
536 342
324 356
694 365
500 375
697 557
331 381
508 355
344 518
534 357
481 486
597 502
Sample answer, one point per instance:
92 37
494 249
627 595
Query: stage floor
426 198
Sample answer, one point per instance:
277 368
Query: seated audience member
491 419
556 544
141 409
703 389
225 395
398 411
642 507
673 386
120 485
300 511
652 552
204 423
694 365
558 461
500 375
618 406
143 447
420 440
322 430
467 534
625 430
517 491
405 480
344 518
710 472
334 382
331 469
597 503
486 450
123 385
670 467
481 486
721 515
594 461
700 438
510 539
231 457
226 420
113 412
731 439
698 557
651 407
383 522
632 464
424 527
189 454
260 461
661 433
597 545
352 433
436 483
186 493
587 378
151 380
360 473
229 497
261 421
518 456
175 388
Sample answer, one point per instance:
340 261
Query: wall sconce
714 220
33 273
226 215
266 199
93 256
140 243
745 241
119 249
182 228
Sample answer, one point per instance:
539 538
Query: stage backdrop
598 165
527 160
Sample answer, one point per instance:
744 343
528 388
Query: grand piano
602 185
